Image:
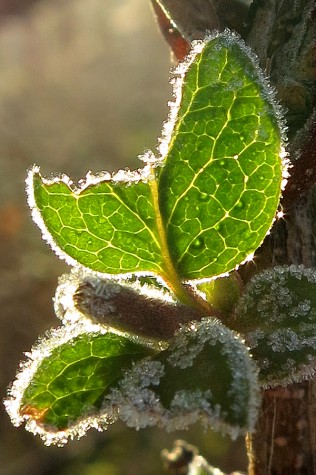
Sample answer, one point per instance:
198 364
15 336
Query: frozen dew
91 179
302 309
60 438
137 397
275 296
41 350
190 341
286 340
177 81
253 338
155 290
148 157
92 288
137 405
290 373
279 308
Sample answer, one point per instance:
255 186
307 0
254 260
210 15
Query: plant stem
183 292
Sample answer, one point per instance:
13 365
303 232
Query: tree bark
282 35
284 442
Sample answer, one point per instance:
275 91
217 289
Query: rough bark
282 35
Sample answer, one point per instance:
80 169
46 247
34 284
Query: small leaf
222 293
106 224
206 374
220 184
277 315
60 390
143 310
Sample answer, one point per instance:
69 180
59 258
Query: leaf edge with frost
28 368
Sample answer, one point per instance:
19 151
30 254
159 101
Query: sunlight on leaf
220 185
60 390
196 211
200 208
106 225
222 293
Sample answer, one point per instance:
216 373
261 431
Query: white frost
41 350
139 405
271 296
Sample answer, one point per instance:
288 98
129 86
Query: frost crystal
137 405
137 397
191 340
280 304
276 295
42 350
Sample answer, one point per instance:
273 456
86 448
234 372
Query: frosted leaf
28 369
277 296
137 405
277 315
142 310
58 388
205 375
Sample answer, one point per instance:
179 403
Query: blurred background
83 85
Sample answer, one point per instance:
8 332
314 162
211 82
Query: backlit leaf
60 390
220 185
106 225
204 205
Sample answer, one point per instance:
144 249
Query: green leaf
222 293
277 315
60 390
220 185
106 225
199 209
205 375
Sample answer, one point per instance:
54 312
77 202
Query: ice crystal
41 350
137 397
277 314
